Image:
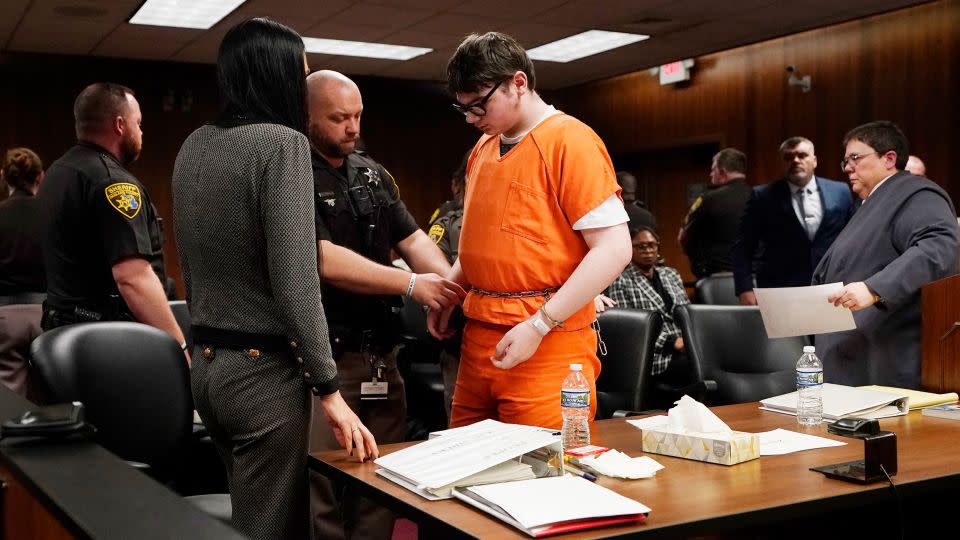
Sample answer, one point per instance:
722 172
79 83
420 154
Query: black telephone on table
857 428
61 420
879 448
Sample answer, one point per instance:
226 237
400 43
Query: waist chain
521 294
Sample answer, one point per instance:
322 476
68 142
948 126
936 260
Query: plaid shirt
631 290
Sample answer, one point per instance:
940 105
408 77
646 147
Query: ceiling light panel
582 45
360 48
184 13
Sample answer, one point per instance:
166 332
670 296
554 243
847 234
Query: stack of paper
433 467
917 399
508 471
840 401
555 505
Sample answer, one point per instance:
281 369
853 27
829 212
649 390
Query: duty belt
111 309
521 294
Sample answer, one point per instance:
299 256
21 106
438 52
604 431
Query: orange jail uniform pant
528 393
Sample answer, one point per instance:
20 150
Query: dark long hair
260 73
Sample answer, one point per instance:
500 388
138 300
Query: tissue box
723 448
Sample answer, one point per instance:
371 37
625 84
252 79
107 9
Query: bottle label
809 378
575 399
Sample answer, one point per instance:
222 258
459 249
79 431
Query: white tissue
691 415
619 465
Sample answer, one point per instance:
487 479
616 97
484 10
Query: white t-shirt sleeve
607 214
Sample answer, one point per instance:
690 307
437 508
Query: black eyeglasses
643 246
854 158
477 108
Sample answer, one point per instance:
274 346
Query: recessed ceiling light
582 45
361 48
184 13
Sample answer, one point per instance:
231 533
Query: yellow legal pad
917 399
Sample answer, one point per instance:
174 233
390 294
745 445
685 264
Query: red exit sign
675 71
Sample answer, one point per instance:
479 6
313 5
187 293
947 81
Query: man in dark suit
788 224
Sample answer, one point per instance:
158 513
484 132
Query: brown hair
21 168
732 160
883 136
97 105
794 142
487 59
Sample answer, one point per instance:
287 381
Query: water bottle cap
809 348
576 367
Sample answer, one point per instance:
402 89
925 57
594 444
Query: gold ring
355 429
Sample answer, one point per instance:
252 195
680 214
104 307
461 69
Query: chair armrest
699 389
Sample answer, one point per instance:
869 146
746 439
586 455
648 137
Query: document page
801 311
783 441
560 498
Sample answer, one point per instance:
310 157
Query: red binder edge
578 525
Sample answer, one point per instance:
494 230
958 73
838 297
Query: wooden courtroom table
696 498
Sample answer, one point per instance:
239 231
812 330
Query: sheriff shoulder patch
696 204
436 233
124 198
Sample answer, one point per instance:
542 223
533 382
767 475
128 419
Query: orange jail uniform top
518 235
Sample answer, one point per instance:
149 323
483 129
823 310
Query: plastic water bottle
809 388
575 408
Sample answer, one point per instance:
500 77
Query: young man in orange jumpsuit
544 231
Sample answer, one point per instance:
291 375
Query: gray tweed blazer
244 226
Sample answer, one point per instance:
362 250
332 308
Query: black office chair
134 383
182 313
716 289
419 363
629 336
728 347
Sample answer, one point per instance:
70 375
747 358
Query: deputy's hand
517 346
436 292
748 298
678 344
348 429
438 322
853 296
601 303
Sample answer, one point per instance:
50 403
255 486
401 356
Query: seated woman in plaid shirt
644 285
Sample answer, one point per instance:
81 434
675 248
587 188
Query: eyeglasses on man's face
853 159
477 108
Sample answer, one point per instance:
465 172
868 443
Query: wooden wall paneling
663 170
900 66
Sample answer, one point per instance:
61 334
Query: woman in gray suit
244 221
